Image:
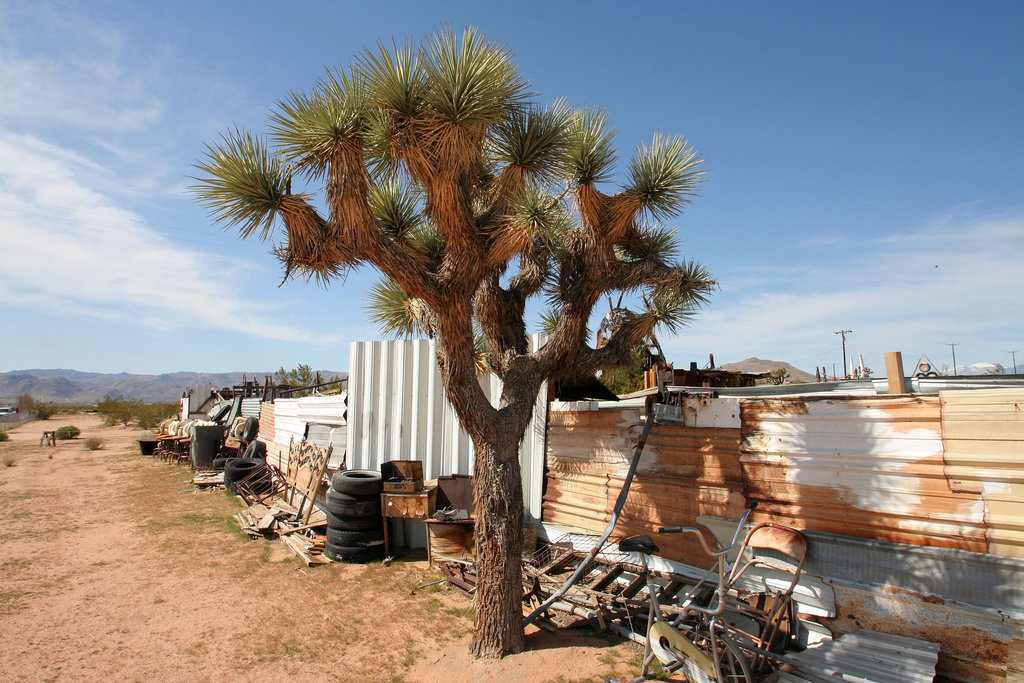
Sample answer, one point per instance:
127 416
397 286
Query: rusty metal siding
983 435
267 422
871 468
683 472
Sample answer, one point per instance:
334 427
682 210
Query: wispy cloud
74 251
127 105
956 279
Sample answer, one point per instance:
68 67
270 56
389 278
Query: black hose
619 502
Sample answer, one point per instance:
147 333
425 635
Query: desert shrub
26 403
117 409
68 432
3 435
44 410
149 415
9 460
93 443
120 410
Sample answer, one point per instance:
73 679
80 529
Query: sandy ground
111 569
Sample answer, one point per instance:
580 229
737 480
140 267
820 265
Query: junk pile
283 505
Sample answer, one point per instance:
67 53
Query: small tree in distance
301 375
471 200
25 403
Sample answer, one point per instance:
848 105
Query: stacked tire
240 468
355 527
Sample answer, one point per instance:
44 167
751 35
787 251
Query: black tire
219 463
341 553
344 505
357 482
256 449
355 539
239 469
251 429
354 523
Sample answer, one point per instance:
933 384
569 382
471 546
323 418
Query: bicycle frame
678 642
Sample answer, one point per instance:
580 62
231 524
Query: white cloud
954 281
84 84
72 250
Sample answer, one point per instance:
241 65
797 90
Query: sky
865 171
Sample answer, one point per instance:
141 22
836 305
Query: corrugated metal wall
868 467
923 470
398 411
983 435
876 480
683 472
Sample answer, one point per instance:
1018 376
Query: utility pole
1013 355
953 347
844 333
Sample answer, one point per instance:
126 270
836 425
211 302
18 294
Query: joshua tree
438 170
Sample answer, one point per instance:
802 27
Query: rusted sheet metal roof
867 657
684 472
864 467
983 435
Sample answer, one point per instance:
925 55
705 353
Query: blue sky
866 170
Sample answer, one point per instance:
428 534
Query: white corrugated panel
287 425
397 410
328 410
251 407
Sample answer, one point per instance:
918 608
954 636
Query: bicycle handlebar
700 535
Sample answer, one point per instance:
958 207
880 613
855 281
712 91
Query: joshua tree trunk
497 488
498 493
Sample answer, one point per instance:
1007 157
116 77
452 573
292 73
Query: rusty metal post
894 372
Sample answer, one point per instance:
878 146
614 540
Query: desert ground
112 569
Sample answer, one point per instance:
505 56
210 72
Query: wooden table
418 505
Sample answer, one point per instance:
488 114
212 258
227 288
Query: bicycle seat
638 544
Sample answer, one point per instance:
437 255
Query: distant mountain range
756 365
74 386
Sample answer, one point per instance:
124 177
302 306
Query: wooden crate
402 476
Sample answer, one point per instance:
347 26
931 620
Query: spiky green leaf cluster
534 139
536 210
308 128
387 306
395 207
471 81
591 154
244 183
654 243
395 77
664 175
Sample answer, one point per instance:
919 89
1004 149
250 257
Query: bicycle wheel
688 647
731 664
